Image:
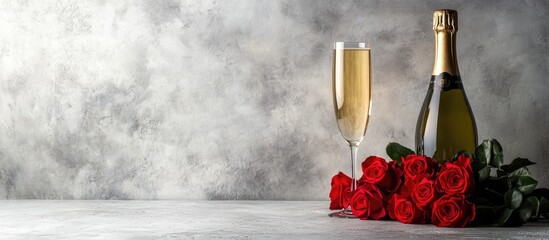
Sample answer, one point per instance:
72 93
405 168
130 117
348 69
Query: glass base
345 213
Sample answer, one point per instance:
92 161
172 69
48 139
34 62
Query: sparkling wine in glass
352 91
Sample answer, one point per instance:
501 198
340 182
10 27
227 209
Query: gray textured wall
231 99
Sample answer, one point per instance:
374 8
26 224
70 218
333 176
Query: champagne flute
352 91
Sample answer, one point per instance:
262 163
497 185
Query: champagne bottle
446 124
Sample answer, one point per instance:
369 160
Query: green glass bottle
446 123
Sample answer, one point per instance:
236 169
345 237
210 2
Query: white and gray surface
39 219
231 99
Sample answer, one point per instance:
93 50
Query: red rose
346 197
456 177
418 165
452 211
374 169
406 212
387 176
393 177
339 183
408 187
360 181
424 193
390 203
367 203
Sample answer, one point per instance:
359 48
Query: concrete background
232 99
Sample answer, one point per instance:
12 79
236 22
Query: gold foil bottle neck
445 20
445 25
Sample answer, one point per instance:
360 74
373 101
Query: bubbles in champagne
352 91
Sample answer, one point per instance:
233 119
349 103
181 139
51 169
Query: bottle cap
445 20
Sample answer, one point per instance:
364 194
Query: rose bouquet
469 189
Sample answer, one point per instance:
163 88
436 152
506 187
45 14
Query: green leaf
527 184
523 171
543 206
516 164
489 152
482 155
529 209
501 173
512 218
534 202
504 216
467 153
497 154
396 151
484 173
513 199
524 184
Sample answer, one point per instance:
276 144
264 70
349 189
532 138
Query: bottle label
446 82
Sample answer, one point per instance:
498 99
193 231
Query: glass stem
354 148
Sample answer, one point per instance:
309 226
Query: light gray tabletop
43 219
